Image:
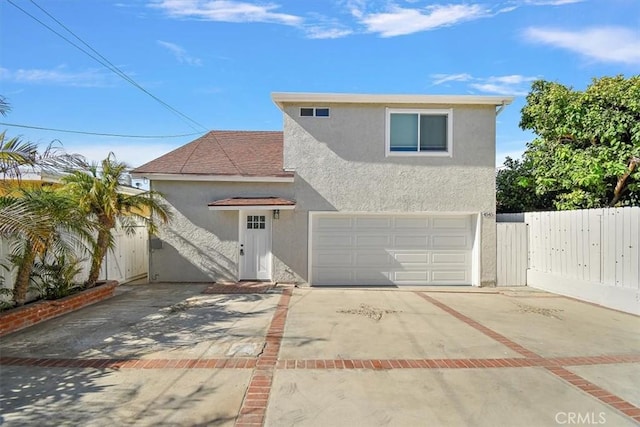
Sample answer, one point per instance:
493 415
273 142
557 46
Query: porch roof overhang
252 203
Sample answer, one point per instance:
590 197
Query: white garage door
348 249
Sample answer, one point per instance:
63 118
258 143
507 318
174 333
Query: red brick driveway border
31 314
256 398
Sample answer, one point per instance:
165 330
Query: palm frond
15 153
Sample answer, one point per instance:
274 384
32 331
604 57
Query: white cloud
320 32
401 21
59 76
439 79
511 84
227 11
180 54
551 2
606 44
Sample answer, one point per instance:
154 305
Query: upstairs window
418 132
314 112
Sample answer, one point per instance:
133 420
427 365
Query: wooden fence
593 255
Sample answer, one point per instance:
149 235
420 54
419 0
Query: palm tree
15 153
98 195
61 229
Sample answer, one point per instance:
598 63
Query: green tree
515 190
587 150
62 228
97 193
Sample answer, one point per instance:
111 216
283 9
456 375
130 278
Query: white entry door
255 245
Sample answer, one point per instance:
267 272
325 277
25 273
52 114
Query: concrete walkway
178 355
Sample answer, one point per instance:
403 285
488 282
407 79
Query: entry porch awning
252 203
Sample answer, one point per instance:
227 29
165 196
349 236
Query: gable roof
224 153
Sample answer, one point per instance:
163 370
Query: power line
103 61
117 135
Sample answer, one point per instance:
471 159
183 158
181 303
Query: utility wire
104 61
118 135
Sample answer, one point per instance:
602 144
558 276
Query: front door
255 245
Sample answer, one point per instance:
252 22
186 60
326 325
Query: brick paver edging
375 364
22 317
575 380
221 363
514 362
256 399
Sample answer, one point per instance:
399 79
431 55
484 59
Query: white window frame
315 112
434 112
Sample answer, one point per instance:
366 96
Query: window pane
404 132
306 112
433 133
322 112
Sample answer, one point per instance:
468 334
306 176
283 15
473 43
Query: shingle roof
242 153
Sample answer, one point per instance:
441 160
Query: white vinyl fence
511 253
128 261
590 254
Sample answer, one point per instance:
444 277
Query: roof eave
253 208
282 98
156 176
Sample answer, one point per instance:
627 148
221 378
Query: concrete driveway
170 355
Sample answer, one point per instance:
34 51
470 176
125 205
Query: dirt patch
368 311
547 312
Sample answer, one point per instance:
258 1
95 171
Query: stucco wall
200 245
340 164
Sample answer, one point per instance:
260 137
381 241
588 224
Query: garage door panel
451 242
338 259
404 258
329 223
373 223
454 277
410 242
372 240
372 277
333 240
411 276
451 223
411 223
460 258
382 259
361 249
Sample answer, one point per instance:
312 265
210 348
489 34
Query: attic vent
314 112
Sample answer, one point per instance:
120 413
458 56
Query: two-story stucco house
356 190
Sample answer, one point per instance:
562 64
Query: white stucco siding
340 165
200 245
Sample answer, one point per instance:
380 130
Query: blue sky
217 61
